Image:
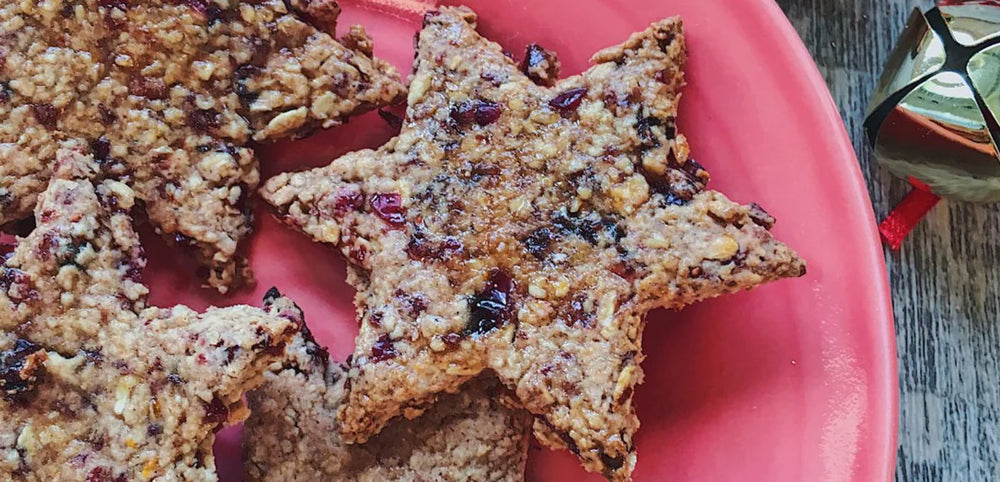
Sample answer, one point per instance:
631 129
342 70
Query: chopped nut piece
723 248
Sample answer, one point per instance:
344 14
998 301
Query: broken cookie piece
527 230
168 96
80 266
92 385
291 434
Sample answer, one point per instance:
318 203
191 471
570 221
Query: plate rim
874 258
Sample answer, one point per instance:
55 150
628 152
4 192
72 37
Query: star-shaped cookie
169 95
291 434
528 230
92 386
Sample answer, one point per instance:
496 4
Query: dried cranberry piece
644 127
46 114
13 277
383 349
759 216
463 113
271 296
538 242
216 412
17 375
451 245
134 272
412 304
214 13
101 147
487 113
430 16
346 201
376 319
672 194
614 230
481 171
100 474
739 259
197 5
665 41
260 50
46 246
452 339
204 120
695 172
577 313
665 76
491 307
568 102
389 207
247 71
540 65
316 352
624 270
421 247
612 463
662 185
148 87
670 131
482 112
119 4
242 74
243 203
358 255
107 115
394 121
589 227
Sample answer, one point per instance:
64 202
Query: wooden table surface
944 280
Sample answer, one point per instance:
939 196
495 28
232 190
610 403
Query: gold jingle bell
934 118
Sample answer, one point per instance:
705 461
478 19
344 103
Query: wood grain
944 280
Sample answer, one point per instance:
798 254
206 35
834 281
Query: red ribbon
908 214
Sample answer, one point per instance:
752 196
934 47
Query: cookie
92 385
79 267
528 230
291 434
169 96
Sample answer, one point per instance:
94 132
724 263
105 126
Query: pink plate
793 382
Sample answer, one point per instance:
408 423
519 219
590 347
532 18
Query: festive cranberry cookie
168 95
528 230
92 386
291 434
